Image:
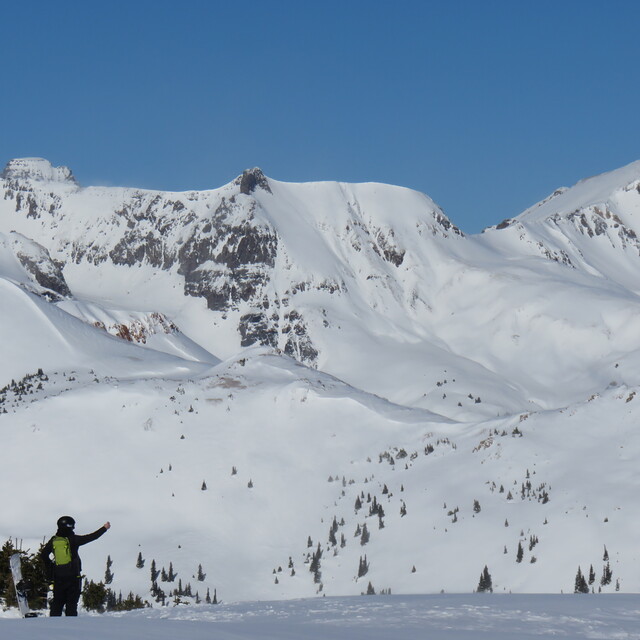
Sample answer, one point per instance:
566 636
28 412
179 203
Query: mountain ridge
236 372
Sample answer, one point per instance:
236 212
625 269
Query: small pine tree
370 590
108 574
592 575
204 486
154 572
364 538
580 585
94 596
363 567
485 583
520 553
201 575
140 561
314 566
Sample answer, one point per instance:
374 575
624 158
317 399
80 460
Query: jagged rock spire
252 178
37 169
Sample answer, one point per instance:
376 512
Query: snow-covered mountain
230 374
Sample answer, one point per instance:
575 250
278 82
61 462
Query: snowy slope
592 226
470 394
369 282
439 617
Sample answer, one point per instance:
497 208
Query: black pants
66 593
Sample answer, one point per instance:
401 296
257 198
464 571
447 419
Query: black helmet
66 522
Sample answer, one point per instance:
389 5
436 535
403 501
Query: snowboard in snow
22 587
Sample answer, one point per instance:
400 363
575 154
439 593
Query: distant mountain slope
369 282
262 464
592 226
244 378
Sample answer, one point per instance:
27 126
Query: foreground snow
446 617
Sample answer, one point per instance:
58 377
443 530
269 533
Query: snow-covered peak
252 179
38 169
604 189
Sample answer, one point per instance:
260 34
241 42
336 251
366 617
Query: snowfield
293 394
437 617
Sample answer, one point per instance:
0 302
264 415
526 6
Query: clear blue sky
485 106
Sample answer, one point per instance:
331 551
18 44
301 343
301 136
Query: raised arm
90 537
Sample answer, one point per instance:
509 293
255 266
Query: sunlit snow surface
485 390
436 617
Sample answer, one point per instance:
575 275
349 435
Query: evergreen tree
201 574
520 553
370 590
154 572
33 572
580 585
607 575
605 557
485 583
94 596
108 575
363 567
592 575
364 538
314 566
112 600
140 561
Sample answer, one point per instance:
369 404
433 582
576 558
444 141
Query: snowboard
22 587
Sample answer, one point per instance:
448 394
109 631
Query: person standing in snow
66 568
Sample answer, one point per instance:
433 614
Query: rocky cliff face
227 245
360 280
592 227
